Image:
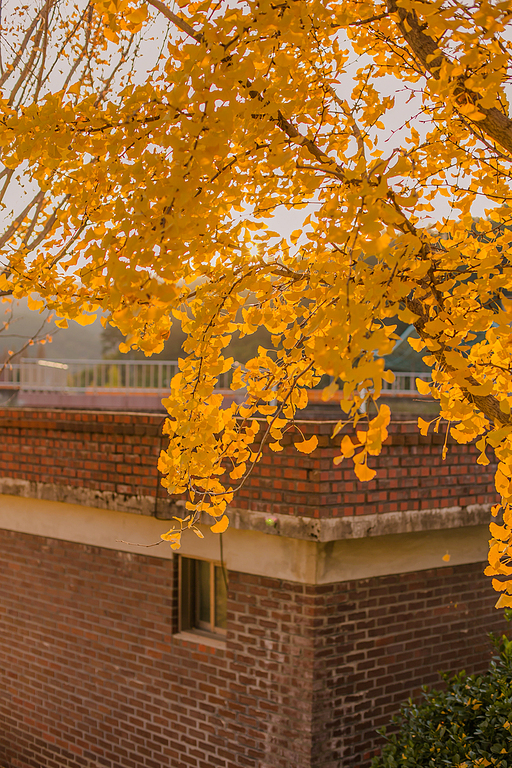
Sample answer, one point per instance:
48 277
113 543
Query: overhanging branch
496 125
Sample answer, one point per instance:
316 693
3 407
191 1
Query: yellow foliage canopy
155 201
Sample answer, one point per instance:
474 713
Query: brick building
339 603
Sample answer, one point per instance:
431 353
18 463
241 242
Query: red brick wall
118 453
378 641
91 676
270 653
410 475
112 452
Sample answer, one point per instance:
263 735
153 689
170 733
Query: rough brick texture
378 641
92 677
117 453
91 674
112 452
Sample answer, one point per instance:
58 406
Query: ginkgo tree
156 199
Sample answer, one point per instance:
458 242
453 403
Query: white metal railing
110 376
152 377
92 376
405 383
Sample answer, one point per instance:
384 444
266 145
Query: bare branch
370 20
176 20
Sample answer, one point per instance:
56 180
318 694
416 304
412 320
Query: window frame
206 629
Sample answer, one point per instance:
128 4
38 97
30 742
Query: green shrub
468 725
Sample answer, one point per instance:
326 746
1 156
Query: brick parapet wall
92 676
110 452
117 453
411 474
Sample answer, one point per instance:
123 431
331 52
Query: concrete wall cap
290 526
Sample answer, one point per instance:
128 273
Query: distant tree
241 349
154 201
112 339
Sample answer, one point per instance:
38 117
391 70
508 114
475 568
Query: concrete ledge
201 639
304 528
164 508
361 526
248 551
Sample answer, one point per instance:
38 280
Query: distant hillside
23 324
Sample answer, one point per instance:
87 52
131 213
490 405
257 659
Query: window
203 597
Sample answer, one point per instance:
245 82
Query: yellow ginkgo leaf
171 535
347 447
416 344
238 471
307 446
34 304
504 601
138 15
423 387
423 426
364 473
498 532
110 35
85 319
221 525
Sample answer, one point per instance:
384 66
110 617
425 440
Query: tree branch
369 20
496 125
177 21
